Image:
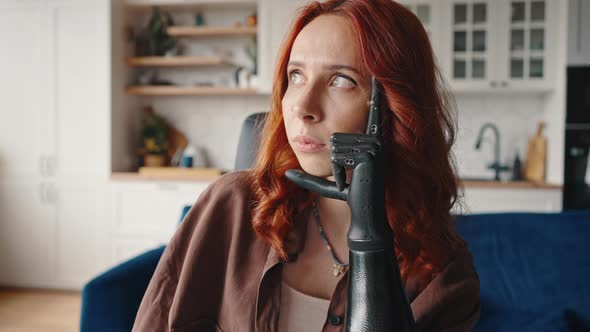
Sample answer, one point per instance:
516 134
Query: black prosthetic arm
376 297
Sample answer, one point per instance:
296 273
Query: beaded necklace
339 266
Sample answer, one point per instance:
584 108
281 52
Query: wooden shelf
175 61
165 90
192 31
169 174
186 3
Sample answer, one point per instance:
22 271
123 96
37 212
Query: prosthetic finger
348 160
339 176
344 138
374 121
355 147
313 183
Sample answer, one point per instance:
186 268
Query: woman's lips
307 144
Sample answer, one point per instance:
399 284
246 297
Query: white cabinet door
146 214
275 18
54 142
470 44
578 32
527 31
502 45
80 86
24 106
82 222
26 219
26 234
80 143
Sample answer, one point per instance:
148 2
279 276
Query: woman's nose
307 105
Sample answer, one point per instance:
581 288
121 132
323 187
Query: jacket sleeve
451 301
166 288
462 311
155 306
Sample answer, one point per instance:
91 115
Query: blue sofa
533 269
110 300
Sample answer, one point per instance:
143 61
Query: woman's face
327 92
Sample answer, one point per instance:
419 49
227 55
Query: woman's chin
317 170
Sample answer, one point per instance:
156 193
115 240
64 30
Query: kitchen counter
472 183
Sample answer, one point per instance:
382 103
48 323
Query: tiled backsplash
516 118
215 123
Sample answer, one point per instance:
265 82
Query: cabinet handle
42 196
504 84
493 84
576 151
51 165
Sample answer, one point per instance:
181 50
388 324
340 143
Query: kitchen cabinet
482 45
55 141
27 230
497 200
22 148
26 217
500 45
80 144
578 32
426 11
137 224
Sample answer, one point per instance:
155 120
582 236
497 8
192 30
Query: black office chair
249 140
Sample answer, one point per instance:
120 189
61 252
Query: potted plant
154 40
154 135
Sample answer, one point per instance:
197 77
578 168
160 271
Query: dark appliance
576 181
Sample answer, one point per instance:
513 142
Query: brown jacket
216 275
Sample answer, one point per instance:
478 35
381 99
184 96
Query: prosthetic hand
376 296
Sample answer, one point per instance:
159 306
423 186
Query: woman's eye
343 82
295 77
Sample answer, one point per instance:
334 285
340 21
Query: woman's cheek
353 122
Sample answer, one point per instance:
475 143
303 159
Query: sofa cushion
530 263
523 321
110 300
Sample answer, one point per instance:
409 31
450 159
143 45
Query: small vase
154 160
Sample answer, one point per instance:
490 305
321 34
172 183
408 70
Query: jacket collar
293 243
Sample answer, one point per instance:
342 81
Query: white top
301 312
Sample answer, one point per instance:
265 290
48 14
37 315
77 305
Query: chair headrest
249 141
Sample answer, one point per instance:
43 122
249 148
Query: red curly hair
418 129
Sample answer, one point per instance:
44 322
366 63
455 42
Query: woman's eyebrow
328 66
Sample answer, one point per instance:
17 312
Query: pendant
338 269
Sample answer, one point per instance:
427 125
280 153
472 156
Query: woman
258 252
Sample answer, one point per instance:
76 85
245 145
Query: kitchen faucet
496 166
